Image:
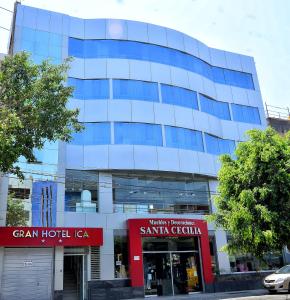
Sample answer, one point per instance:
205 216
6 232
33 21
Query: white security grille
95 263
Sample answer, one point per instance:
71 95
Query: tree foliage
253 204
33 109
16 215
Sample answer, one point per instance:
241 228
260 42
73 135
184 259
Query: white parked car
278 281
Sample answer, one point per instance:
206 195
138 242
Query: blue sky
259 28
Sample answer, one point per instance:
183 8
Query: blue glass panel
27 46
218 146
216 108
43 200
28 34
218 75
76 47
135 90
159 54
78 85
183 138
96 89
93 134
89 89
179 96
97 134
246 114
55 39
138 134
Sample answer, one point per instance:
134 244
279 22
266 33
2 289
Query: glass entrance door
157 274
186 275
171 273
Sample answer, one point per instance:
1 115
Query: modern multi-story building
120 211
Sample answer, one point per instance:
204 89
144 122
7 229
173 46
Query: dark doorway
73 278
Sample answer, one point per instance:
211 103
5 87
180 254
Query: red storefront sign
50 236
139 228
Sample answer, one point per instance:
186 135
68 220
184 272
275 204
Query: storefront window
247 262
81 191
213 253
121 253
134 193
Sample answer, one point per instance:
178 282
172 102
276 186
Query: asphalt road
240 295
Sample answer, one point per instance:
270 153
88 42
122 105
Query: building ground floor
153 257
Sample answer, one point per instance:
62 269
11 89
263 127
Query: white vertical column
60 184
59 251
58 268
220 235
107 256
3 210
106 207
105 194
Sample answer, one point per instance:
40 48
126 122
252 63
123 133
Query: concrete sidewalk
237 295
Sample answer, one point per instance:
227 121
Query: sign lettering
170 227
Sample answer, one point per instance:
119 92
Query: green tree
16 215
33 109
253 204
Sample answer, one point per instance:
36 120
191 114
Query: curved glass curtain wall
128 89
151 135
159 54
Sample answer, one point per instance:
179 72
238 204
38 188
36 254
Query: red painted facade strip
50 236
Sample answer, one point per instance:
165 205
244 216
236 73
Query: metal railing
277 112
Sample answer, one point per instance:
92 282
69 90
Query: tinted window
246 114
218 146
138 134
90 88
135 90
183 138
93 134
215 108
179 96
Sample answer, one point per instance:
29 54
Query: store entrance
73 278
175 269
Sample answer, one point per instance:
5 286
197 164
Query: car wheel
289 288
272 291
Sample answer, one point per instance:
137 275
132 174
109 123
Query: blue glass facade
135 90
179 96
93 134
149 52
90 88
138 134
218 146
183 138
216 108
40 44
246 114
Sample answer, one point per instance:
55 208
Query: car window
284 270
